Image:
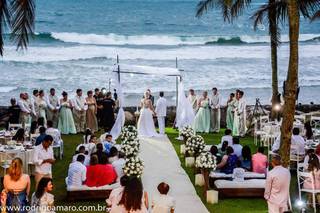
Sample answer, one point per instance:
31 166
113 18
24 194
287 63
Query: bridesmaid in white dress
146 126
41 106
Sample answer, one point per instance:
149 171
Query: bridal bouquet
133 167
195 144
131 147
187 132
129 132
206 161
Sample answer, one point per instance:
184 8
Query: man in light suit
79 111
215 110
161 111
277 187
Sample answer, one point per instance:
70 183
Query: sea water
77 41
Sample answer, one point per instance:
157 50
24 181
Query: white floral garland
195 144
206 161
128 133
187 132
133 167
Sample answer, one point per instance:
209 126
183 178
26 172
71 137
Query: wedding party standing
92 122
161 111
25 113
53 108
79 111
236 116
41 106
146 126
215 110
192 98
108 105
230 111
66 122
242 114
202 119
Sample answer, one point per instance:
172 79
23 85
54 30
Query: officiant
161 111
108 105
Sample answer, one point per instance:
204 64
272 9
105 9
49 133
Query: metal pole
177 82
118 68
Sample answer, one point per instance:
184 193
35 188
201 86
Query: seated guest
43 134
41 122
42 197
297 142
100 153
19 136
91 146
77 172
82 151
314 169
215 152
238 172
92 172
227 137
14 113
34 127
246 158
16 184
119 164
307 157
164 202
107 143
113 155
236 146
222 150
116 193
107 173
54 132
228 162
308 130
260 161
87 136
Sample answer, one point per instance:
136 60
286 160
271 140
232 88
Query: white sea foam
114 39
5 89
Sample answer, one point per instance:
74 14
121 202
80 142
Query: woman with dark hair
42 198
246 158
215 152
308 130
92 172
66 122
19 136
228 162
40 122
16 185
230 111
223 148
34 127
314 169
87 136
91 113
134 199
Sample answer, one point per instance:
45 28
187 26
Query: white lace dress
146 126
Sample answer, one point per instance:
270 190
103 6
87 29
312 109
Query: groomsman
215 110
53 108
192 98
25 110
161 111
79 111
242 114
35 94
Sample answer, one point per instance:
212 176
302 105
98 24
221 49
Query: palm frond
316 16
23 16
205 5
4 18
308 7
260 15
238 7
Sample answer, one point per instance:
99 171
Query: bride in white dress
146 126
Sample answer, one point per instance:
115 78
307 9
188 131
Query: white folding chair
295 156
263 120
315 122
258 133
300 118
307 177
14 126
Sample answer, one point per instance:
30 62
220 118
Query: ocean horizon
76 44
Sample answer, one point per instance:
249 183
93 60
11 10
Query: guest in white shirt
192 98
237 147
33 98
43 159
55 133
215 110
227 137
116 194
238 173
277 187
84 152
113 154
161 111
77 172
163 203
79 111
118 165
297 143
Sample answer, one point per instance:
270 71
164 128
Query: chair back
315 122
301 118
14 126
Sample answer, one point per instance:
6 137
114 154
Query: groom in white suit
161 111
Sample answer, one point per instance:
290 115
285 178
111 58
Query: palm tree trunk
292 82
273 30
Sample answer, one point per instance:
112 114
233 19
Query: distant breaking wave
162 40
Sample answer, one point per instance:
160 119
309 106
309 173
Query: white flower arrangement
195 144
133 167
129 133
131 147
206 161
187 132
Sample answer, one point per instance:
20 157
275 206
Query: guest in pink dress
133 200
259 161
314 169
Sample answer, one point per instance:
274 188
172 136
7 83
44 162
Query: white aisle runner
163 164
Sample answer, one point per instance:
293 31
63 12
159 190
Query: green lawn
226 205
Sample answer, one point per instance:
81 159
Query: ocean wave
162 40
5 89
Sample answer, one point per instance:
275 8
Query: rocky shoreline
131 118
